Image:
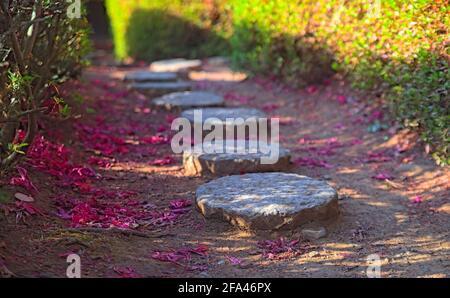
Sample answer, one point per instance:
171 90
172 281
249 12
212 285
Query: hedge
397 48
158 29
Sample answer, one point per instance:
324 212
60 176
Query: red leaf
23 181
383 176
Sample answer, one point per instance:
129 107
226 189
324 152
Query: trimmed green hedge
158 29
397 48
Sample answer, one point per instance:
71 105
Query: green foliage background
399 49
157 29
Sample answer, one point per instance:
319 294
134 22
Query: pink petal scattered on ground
311 162
126 272
23 181
234 260
269 107
162 161
339 126
29 208
242 99
184 257
380 156
376 115
358 120
202 85
100 162
180 204
311 89
281 248
356 141
342 99
170 118
161 128
267 83
327 82
383 176
155 140
417 199
61 213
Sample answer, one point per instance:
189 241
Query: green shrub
400 48
40 46
157 29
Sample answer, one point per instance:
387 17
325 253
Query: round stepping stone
268 201
159 88
189 100
175 65
149 76
235 157
220 115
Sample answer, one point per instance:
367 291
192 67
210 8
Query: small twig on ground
117 231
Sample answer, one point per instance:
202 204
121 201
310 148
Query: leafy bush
157 29
40 46
398 48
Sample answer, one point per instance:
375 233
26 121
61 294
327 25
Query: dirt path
394 201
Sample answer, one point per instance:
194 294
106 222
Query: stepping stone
146 76
175 65
268 201
189 100
160 88
219 116
235 157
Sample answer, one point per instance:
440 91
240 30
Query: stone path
235 157
260 201
188 100
150 76
268 201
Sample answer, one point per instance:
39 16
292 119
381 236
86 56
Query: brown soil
376 217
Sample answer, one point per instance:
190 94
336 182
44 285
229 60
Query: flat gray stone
235 157
159 88
268 201
175 65
188 100
218 116
150 76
